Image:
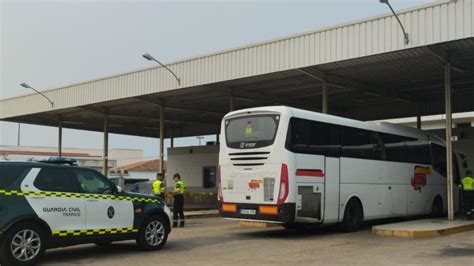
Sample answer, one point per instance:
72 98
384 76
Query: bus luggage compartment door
309 188
308 203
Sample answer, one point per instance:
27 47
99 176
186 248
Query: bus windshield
251 131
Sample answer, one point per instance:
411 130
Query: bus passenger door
331 190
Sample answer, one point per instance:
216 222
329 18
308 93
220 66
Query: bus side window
324 139
406 150
395 148
359 143
418 151
439 159
299 135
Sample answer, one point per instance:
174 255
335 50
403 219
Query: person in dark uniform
178 202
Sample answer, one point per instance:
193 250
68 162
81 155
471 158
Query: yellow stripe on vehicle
90 232
75 195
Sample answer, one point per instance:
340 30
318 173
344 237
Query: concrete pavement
214 241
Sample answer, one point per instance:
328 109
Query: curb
199 216
425 233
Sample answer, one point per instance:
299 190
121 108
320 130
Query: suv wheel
23 244
153 234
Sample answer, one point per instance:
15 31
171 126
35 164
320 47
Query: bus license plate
247 211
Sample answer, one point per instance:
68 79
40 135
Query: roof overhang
370 72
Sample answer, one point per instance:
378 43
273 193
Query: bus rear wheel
353 217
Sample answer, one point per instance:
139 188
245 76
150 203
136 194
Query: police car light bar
59 160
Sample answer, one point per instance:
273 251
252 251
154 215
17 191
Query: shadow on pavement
89 252
459 250
290 233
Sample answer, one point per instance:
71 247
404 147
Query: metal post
325 97
418 121
171 138
60 138
162 139
217 138
19 131
449 144
105 156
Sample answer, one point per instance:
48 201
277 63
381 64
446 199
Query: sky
50 44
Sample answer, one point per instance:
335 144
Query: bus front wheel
353 216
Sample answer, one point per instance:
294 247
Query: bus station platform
424 228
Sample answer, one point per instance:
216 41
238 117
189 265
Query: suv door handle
92 200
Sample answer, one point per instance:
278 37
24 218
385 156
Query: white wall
189 161
150 175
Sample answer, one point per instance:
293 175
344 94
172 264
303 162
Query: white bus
290 166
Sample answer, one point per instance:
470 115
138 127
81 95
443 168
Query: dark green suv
45 206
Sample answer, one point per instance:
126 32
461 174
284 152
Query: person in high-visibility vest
468 192
158 186
178 202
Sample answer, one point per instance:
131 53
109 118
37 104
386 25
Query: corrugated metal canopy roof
371 75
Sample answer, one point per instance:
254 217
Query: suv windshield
8 174
251 131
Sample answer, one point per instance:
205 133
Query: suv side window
56 180
93 183
10 174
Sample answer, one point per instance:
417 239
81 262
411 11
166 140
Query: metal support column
105 156
171 138
60 138
325 97
418 121
162 139
19 134
449 144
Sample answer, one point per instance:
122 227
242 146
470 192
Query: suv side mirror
119 189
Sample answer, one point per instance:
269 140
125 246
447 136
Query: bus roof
382 127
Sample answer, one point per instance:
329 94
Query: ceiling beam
320 76
342 82
229 92
178 108
443 55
